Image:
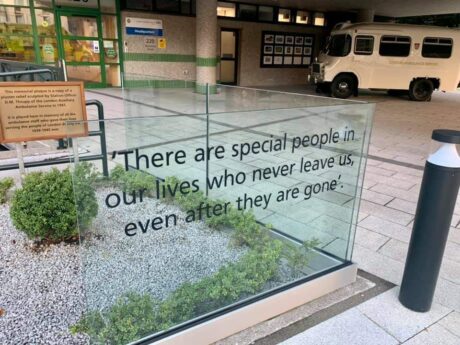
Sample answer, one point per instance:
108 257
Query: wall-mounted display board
286 49
40 110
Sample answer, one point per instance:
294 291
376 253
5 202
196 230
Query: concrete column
365 16
206 44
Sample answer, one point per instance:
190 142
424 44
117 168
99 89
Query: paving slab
387 312
348 328
434 335
452 323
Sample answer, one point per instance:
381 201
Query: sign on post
39 111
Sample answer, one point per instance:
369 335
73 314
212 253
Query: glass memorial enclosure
213 201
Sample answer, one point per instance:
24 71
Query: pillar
365 16
206 45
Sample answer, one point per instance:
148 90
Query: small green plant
133 180
44 207
298 256
5 186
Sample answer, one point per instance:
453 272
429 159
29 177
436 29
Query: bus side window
437 47
395 46
364 45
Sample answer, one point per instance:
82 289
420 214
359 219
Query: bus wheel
343 86
420 90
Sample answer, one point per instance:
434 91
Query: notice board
40 110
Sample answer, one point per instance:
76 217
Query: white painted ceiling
390 8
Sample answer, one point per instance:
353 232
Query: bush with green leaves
46 206
5 185
132 180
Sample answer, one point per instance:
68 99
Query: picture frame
306 60
308 40
268 60
268 49
289 40
299 40
297 60
279 50
269 38
288 50
278 60
307 51
279 39
287 60
297 50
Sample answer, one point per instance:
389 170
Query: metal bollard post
438 194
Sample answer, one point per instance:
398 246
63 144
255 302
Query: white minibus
396 57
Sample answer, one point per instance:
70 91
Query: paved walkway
399 146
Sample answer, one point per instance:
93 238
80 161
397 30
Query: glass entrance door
228 56
81 44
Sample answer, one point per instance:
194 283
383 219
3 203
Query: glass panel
302 17
205 212
226 9
43 3
15 20
45 22
139 5
111 51
108 6
284 15
15 2
109 27
79 26
168 5
48 49
112 74
247 12
90 74
266 13
228 44
17 48
81 51
227 71
73 3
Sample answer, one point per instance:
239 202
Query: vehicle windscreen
338 45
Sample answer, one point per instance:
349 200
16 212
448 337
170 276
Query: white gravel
41 291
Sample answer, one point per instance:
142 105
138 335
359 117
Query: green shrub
298 256
132 180
5 186
44 207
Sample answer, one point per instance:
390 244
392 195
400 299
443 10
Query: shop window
17 48
302 17
364 45
111 51
318 19
48 49
395 46
109 26
284 15
45 22
43 3
108 6
85 4
266 13
226 9
167 6
15 20
437 48
15 2
247 12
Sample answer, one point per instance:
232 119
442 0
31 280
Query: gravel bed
42 290
155 262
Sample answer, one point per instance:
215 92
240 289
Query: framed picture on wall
278 50
288 60
308 41
268 38
306 60
268 60
278 60
306 50
297 60
279 39
288 50
298 51
299 40
289 40
268 49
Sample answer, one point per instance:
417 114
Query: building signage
144 26
150 43
40 110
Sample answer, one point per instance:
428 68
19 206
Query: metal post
207 139
438 194
20 155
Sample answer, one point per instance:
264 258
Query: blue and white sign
144 26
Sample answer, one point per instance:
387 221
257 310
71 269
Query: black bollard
436 203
